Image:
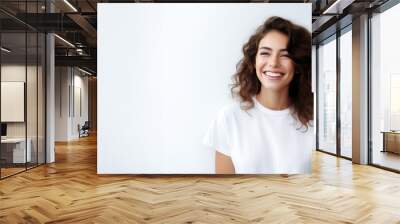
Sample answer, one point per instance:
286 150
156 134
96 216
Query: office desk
16 147
391 141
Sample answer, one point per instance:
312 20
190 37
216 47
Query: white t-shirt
261 140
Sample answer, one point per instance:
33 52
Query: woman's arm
223 164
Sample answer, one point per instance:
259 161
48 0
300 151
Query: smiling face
274 68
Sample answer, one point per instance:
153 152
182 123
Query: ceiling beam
86 26
85 61
337 6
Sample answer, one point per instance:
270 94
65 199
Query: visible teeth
274 74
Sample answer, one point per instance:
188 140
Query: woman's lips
273 75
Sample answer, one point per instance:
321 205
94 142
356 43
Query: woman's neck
274 100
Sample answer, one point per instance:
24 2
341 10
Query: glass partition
385 89
33 57
327 95
22 77
32 95
41 85
13 105
346 92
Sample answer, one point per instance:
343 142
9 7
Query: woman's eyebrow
270 49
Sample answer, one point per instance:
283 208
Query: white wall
33 126
68 81
80 83
18 73
15 73
12 101
163 76
61 103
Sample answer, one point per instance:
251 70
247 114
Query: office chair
84 130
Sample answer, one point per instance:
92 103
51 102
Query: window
327 95
385 89
346 92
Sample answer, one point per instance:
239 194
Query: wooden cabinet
391 141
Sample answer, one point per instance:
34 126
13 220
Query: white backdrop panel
163 74
12 101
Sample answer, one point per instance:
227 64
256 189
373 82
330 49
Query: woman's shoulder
233 110
230 109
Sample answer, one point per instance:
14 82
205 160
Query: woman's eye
285 55
264 53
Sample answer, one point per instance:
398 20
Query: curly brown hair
246 84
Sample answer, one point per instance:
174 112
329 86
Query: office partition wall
334 84
385 89
13 145
327 95
345 60
22 87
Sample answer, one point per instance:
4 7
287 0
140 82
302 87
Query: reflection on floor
10 169
347 152
386 159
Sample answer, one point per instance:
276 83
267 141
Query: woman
269 130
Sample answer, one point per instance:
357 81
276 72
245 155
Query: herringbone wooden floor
70 191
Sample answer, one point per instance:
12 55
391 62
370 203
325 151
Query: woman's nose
273 61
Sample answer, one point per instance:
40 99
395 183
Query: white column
50 110
360 90
50 93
